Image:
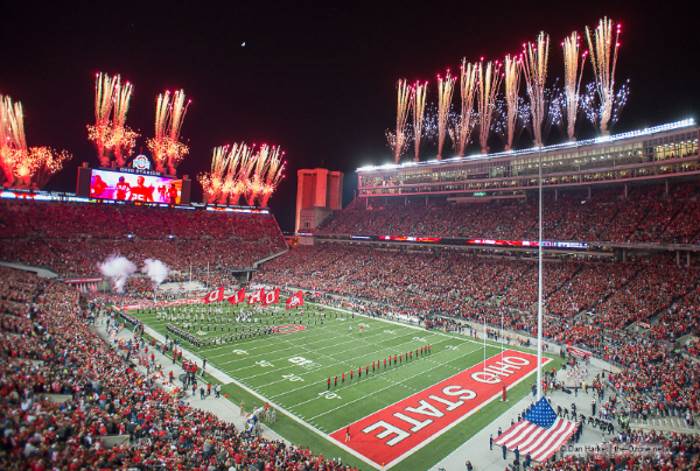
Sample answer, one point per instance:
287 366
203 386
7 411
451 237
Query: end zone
387 436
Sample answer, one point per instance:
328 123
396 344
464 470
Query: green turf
291 370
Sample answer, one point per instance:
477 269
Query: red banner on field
237 297
295 300
386 436
215 296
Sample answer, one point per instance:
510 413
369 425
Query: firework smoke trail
467 90
12 140
265 156
420 92
512 68
250 175
573 73
242 178
229 171
98 133
397 140
275 173
24 166
165 146
535 58
213 180
446 88
122 139
604 61
487 88
157 144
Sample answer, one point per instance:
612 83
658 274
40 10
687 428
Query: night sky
316 77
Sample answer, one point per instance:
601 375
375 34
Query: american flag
540 434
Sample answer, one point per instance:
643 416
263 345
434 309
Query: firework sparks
105 86
275 173
212 182
446 88
465 123
165 146
110 133
420 92
535 58
122 139
397 140
555 104
573 73
228 174
262 159
512 68
591 107
487 88
604 50
23 166
243 177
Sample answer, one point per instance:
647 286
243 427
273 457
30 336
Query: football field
393 388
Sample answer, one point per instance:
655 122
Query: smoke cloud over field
118 269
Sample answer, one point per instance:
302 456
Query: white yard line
380 390
286 340
314 352
225 378
314 384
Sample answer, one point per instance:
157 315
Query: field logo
387 436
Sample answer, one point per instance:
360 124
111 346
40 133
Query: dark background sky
316 77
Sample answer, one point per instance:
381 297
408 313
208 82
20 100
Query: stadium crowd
72 239
647 214
638 450
48 348
629 313
588 304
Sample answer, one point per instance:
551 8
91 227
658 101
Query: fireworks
397 140
110 133
275 173
604 61
104 100
212 182
487 88
591 108
165 146
23 166
573 73
535 58
512 67
465 123
240 169
420 91
555 105
446 88
122 139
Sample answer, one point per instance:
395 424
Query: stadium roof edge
564 145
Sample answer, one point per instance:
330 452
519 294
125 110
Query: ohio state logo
141 162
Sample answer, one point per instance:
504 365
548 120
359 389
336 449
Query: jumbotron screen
111 185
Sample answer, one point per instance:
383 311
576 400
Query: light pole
539 283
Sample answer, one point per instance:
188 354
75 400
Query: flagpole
539 283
